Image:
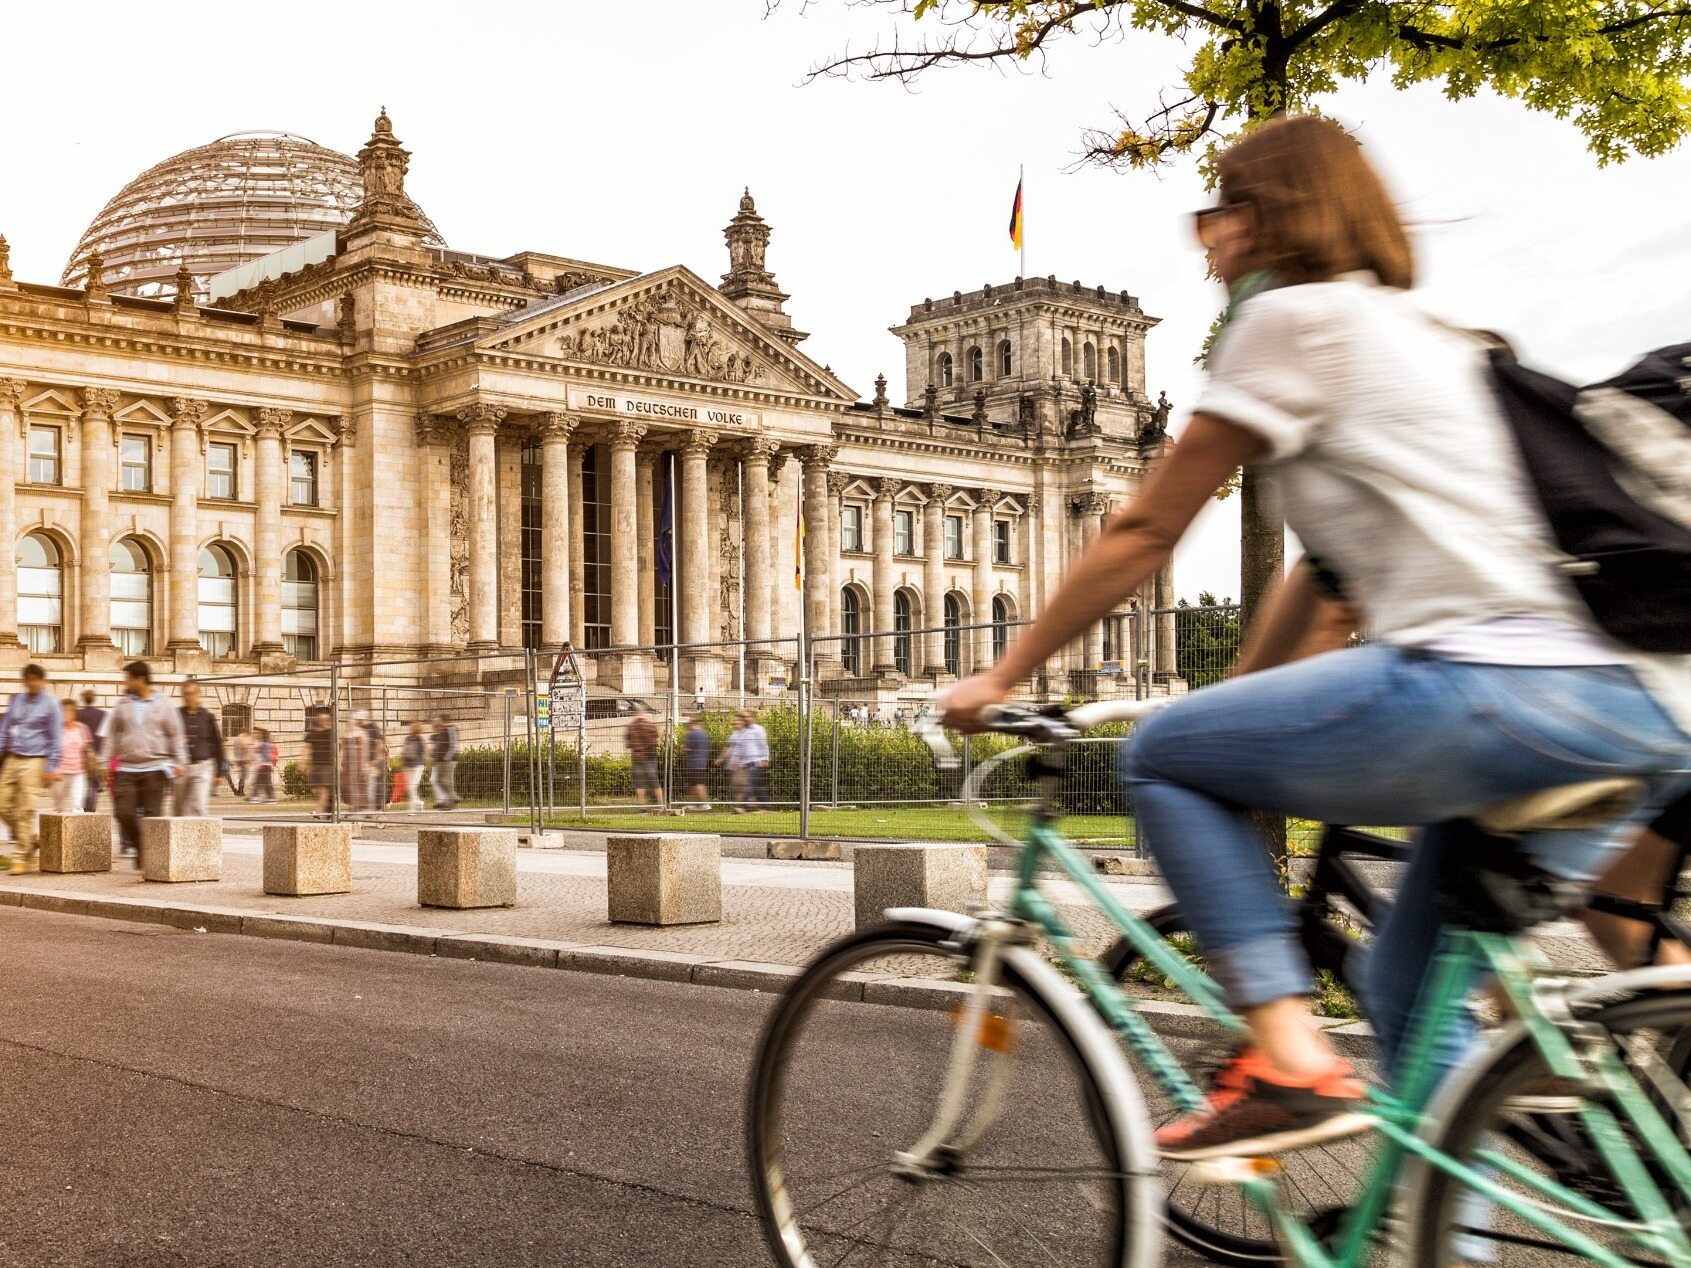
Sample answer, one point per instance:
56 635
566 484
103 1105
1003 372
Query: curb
1170 1019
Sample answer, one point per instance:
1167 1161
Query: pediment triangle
310 429
669 324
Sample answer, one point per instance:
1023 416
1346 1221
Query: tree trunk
1262 542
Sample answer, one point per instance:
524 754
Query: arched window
41 594
901 625
217 601
953 636
946 372
1068 358
299 605
1006 359
1088 361
1113 360
851 625
1000 625
132 598
977 365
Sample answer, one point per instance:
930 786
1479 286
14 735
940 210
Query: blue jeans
1377 735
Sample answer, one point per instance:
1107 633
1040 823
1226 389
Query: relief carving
667 331
728 551
458 537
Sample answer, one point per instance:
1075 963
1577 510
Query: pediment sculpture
665 331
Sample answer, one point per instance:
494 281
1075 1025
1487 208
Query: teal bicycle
992 1115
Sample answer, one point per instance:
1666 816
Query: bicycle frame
1568 1051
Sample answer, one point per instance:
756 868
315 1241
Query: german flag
1016 219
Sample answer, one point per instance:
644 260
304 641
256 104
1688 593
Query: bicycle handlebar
1039 726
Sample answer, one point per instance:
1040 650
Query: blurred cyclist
1485 678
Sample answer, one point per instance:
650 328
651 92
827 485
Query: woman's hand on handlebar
962 705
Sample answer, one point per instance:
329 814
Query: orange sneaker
1255 1109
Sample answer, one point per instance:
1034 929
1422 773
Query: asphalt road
175 1099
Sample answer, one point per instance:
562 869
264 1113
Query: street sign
566 697
543 713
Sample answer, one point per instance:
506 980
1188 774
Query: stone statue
1159 420
1088 407
5 259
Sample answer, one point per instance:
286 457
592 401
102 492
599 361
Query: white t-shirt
1398 469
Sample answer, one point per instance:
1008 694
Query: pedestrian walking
206 760
377 744
74 759
642 740
240 760
264 757
30 737
746 758
145 741
695 760
413 752
355 766
94 718
443 757
320 758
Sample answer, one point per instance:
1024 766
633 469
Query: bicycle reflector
997 1033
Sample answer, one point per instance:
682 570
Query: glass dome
219 206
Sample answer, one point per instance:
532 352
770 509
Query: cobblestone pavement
774 912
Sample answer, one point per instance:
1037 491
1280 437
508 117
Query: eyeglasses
1206 222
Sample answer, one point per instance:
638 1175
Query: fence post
335 743
804 672
834 761
507 750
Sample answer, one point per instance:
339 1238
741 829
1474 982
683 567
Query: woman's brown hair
1321 209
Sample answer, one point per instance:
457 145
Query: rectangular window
904 532
595 550
1000 541
851 528
302 478
954 537
530 532
135 462
220 471
44 455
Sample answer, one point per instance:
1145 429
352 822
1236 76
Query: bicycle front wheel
1046 1161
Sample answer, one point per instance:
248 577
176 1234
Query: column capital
814 456
698 441
886 488
98 402
1032 502
940 493
555 425
271 420
1089 504
837 481
11 393
186 412
625 434
986 499
431 429
481 418
760 449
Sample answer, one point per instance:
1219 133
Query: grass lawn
896 823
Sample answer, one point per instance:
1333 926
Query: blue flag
666 527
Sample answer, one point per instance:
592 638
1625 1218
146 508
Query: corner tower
1067 358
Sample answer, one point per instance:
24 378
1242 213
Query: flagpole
1021 179
674 590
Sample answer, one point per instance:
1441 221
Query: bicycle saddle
1583 805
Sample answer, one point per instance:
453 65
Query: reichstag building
269 418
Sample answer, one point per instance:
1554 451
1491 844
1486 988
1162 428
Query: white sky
622 133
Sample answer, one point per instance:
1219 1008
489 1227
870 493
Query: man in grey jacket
145 736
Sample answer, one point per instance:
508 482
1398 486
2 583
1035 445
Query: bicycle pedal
1233 1170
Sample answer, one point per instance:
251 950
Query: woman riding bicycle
1485 678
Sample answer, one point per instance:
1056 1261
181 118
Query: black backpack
1611 464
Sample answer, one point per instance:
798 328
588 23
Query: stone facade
406 451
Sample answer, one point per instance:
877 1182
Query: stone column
268 483
837 481
186 474
95 573
1166 665
1091 508
645 468
757 544
980 596
933 580
629 671
557 561
882 660
578 547
695 536
785 597
818 574
11 425
482 420
434 438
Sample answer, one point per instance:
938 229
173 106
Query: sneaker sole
1544 1105
1340 1125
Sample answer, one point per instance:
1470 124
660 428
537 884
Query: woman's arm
1130 549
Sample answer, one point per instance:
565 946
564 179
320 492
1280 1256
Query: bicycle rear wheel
1217 1221
1481 1111
1049 1164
